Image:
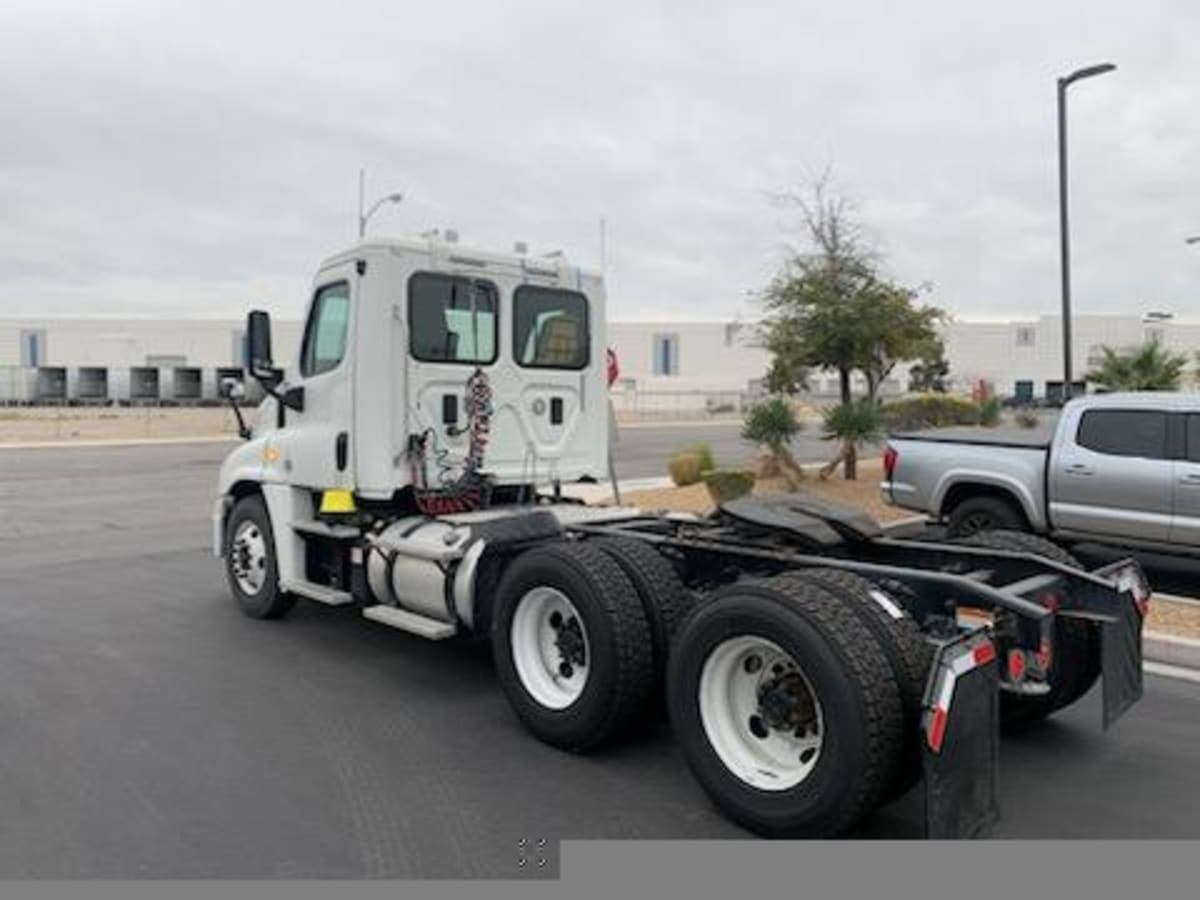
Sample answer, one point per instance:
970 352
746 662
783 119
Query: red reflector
1051 602
937 730
1143 606
985 653
1016 665
1044 656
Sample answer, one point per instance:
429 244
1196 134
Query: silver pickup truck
1121 469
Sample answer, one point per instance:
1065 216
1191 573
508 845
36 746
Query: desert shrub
704 451
1026 418
989 412
684 469
854 424
729 484
929 411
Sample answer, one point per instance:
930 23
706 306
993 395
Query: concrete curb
1165 648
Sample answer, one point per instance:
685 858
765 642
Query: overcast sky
192 159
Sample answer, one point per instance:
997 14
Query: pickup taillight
890 457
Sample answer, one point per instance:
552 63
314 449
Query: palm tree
1149 367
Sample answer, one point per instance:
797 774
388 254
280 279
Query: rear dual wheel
785 707
572 645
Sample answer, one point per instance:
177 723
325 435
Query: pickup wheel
1075 664
785 707
665 600
250 564
572 646
908 654
978 514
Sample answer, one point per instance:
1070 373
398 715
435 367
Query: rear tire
839 688
908 654
665 600
250 562
572 646
980 514
1075 664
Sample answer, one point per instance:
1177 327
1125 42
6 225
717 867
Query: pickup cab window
1124 432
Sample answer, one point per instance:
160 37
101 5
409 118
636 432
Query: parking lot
149 730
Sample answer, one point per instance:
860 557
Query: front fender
250 463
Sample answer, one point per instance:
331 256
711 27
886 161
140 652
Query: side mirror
232 388
260 363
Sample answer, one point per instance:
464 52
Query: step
432 629
322 593
327 529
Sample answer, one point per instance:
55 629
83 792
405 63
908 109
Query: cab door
315 442
1113 477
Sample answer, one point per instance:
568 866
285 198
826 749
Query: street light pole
364 217
1063 220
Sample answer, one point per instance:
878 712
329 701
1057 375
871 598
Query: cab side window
325 333
1124 432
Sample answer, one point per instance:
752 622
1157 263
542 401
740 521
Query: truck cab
394 330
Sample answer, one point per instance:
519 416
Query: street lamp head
1088 72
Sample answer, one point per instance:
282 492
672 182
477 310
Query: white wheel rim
737 675
550 647
248 558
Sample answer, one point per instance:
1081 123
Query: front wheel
250 563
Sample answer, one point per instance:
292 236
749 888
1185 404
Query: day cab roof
451 256
1168 400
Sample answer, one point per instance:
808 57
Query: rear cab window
1124 432
550 328
452 319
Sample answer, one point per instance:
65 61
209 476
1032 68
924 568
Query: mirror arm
243 429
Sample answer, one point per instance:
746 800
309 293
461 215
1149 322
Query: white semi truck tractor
409 464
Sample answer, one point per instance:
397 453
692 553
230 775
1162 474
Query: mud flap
961 739
1121 662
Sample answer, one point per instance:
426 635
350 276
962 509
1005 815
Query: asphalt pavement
150 730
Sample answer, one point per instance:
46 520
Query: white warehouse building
664 366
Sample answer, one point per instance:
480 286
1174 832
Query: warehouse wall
119 343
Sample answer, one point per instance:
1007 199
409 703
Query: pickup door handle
1191 478
1080 469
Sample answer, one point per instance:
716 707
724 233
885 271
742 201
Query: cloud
189 159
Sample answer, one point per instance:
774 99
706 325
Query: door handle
1191 478
1080 469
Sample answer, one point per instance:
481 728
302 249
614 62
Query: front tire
572 646
785 708
250 562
